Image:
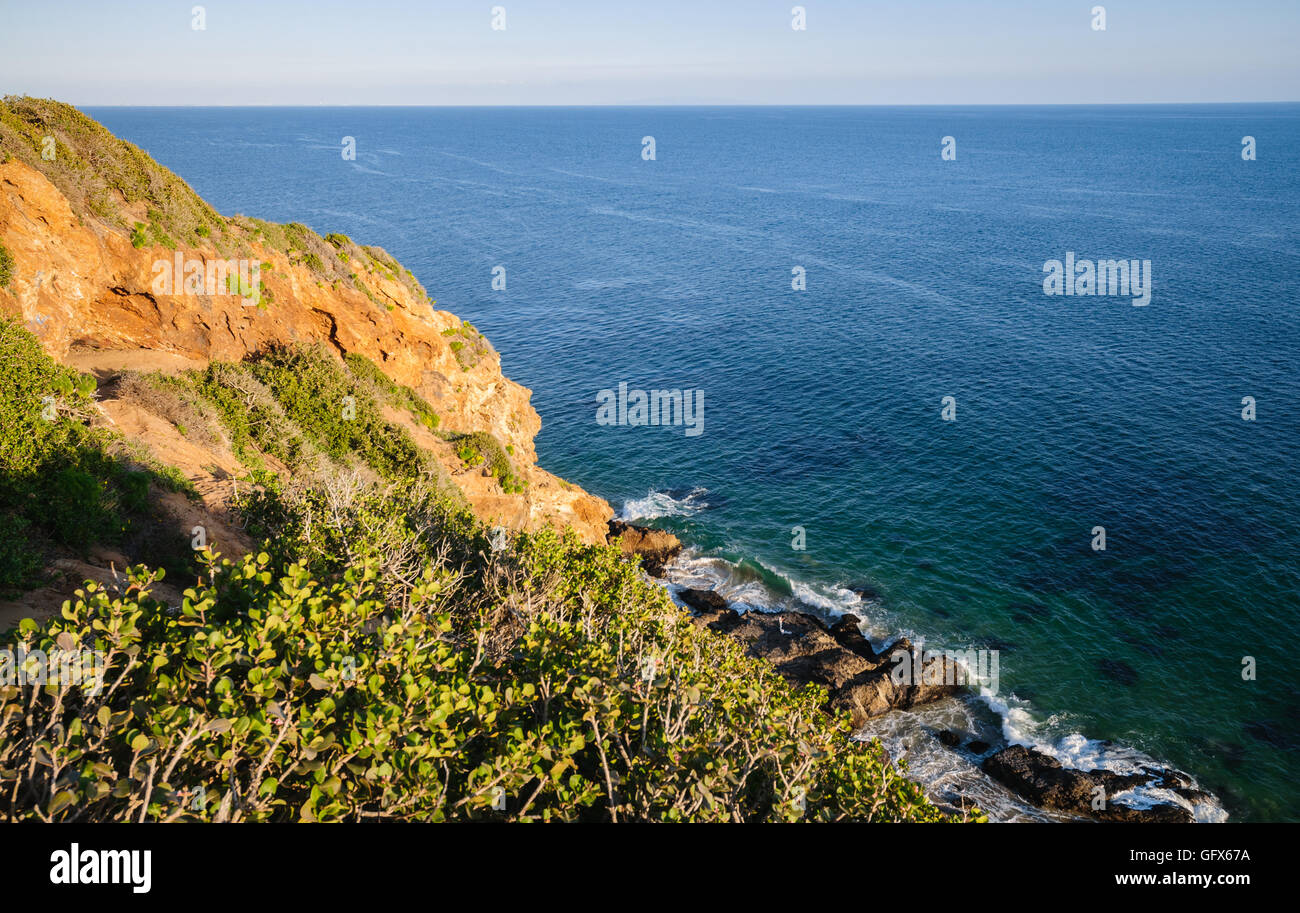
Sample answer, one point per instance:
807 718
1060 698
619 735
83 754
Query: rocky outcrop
805 650
89 294
1045 782
655 547
868 684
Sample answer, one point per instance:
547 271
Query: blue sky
425 52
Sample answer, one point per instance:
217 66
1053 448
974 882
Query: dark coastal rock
655 547
1041 779
1156 814
703 600
900 678
950 737
847 632
839 658
710 610
977 746
1044 782
866 591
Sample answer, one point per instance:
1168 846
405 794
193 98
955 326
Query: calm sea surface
822 407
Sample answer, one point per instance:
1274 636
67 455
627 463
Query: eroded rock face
88 295
804 650
1045 782
655 547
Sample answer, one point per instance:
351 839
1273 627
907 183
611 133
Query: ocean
942 437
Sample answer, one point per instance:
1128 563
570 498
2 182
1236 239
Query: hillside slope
92 231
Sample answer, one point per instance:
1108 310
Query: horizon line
1084 104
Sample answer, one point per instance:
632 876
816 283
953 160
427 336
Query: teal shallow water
822 407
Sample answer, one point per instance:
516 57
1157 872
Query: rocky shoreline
859 680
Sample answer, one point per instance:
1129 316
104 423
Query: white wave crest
658 504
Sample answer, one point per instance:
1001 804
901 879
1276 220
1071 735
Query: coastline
966 749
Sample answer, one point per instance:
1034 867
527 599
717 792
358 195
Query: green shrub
253 418
468 344
395 394
6 266
481 448
62 480
323 399
549 682
19 562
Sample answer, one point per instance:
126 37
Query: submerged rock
1118 670
656 547
1046 783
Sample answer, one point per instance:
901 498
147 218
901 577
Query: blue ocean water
822 407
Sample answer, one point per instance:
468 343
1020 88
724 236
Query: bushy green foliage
62 480
253 418
468 344
393 393
93 168
341 418
19 561
548 681
480 448
6 266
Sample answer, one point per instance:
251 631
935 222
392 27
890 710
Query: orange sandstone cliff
86 232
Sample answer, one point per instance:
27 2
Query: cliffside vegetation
63 483
102 177
380 657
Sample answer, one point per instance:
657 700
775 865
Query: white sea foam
1052 737
658 504
941 770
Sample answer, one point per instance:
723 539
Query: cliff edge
119 268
